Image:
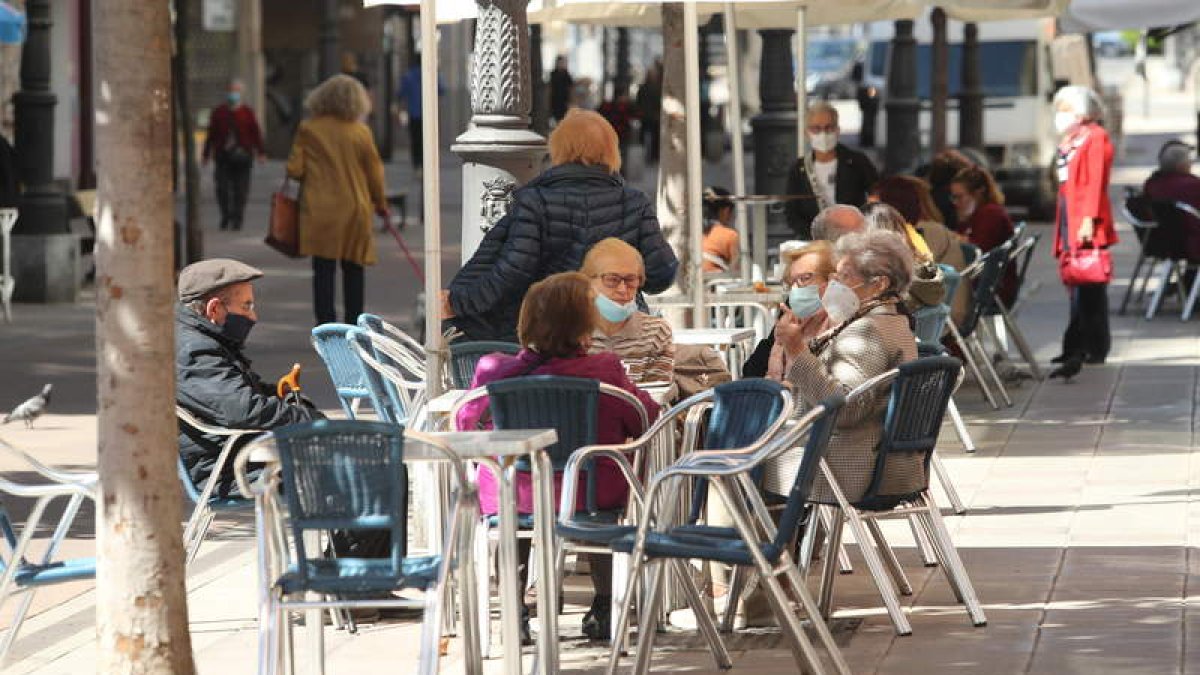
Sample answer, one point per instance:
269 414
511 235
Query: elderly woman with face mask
807 273
1084 218
644 343
870 335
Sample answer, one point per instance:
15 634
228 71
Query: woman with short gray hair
871 335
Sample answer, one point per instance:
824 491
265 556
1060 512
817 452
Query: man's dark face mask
237 327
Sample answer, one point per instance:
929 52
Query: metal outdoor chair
753 541
1003 315
205 504
395 381
986 274
1167 248
345 475
1135 209
569 405
919 393
344 367
22 571
740 415
465 355
404 341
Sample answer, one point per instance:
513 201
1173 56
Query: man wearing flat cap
213 377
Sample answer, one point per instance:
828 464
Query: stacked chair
464 356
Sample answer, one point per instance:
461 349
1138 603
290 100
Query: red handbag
1084 266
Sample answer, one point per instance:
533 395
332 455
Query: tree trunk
141 616
193 249
672 168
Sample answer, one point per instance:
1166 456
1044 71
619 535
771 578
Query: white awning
1098 15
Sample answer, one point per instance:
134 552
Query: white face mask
840 301
1064 120
825 141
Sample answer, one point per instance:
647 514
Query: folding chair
919 393
22 572
394 380
205 504
1003 316
754 541
343 365
1132 208
465 355
986 273
346 475
404 341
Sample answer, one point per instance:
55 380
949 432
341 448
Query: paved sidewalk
1081 538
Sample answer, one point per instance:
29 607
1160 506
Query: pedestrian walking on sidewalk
341 188
1084 219
234 141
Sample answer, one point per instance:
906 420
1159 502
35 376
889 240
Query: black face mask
237 327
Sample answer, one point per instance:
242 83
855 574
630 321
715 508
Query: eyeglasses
803 279
613 281
828 129
246 307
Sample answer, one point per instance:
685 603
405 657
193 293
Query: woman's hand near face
789 333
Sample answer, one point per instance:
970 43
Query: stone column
970 99
940 84
329 63
775 127
45 253
903 108
499 151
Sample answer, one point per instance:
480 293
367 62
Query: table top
465 444
767 299
712 336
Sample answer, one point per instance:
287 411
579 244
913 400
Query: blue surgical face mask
613 312
234 97
804 301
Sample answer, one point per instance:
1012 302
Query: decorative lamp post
970 100
775 127
903 108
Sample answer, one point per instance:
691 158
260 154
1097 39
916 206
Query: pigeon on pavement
31 409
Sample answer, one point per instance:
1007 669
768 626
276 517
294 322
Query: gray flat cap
199 279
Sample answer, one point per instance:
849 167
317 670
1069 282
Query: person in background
561 85
410 93
982 218
944 167
720 239
553 220
334 159
233 141
1175 182
644 343
928 286
868 105
808 270
649 106
560 347
620 113
350 67
1084 219
830 174
837 220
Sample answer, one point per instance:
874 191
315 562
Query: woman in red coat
1084 218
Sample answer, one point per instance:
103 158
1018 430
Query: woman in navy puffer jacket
552 222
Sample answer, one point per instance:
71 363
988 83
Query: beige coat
945 247
871 346
341 180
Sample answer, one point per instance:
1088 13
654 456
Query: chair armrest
62 476
570 480
45 490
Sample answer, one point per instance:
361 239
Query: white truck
1017 85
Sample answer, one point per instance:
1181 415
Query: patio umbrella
12 24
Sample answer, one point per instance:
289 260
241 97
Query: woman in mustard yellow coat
341 188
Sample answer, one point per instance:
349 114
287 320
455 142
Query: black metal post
43 207
775 127
622 79
328 40
940 89
537 70
903 108
970 100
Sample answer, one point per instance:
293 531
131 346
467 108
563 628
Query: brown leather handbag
284 232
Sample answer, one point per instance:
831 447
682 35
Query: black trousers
416 139
324 285
233 186
650 139
1087 334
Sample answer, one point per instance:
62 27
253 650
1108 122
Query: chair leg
483 588
809 540
1022 344
431 631
947 485
843 558
1191 298
704 620
833 543
1164 281
966 352
1146 275
987 364
800 590
802 648
733 596
15 626
636 563
889 557
648 618
196 530
960 427
929 556
1137 268
953 566
620 586
878 573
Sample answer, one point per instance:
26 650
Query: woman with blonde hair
335 160
551 222
808 270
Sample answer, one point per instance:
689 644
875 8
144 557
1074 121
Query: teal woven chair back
464 356
344 475
952 278
569 405
930 323
984 285
814 449
345 368
384 398
742 411
919 396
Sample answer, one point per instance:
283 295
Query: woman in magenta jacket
559 347
1084 218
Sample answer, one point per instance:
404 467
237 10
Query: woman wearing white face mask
870 336
644 343
1084 219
